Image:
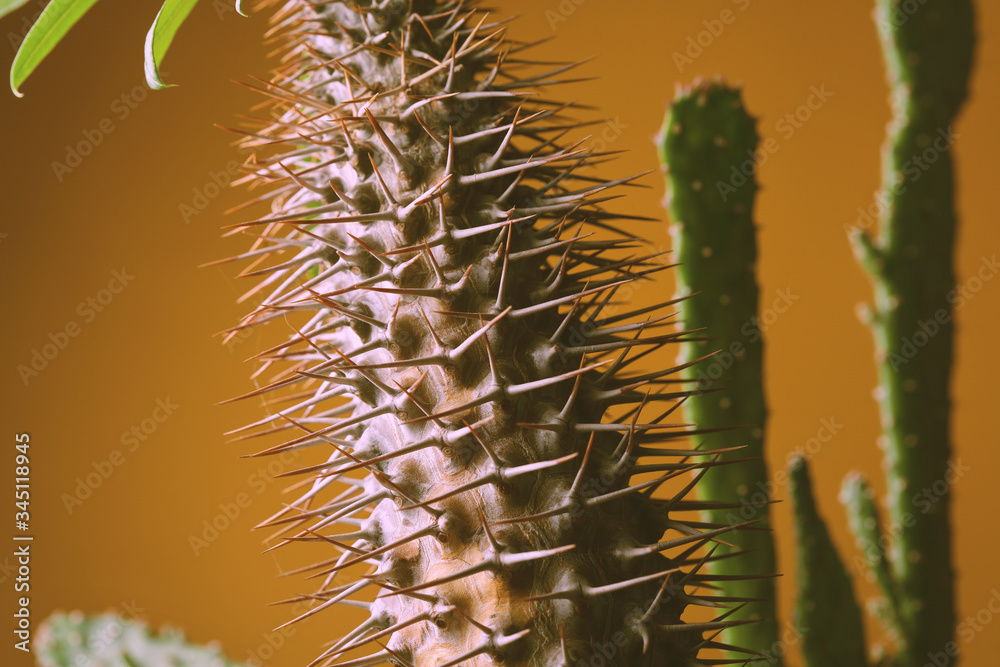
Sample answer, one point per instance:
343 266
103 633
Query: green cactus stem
707 144
110 640
826 612
928 49
859 500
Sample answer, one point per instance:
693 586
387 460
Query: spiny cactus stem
928 52
444 263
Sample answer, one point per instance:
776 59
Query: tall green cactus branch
929 55
706 142
826 611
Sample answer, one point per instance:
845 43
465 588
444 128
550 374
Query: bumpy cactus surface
929 52
463 360
110 640
825 608
708 137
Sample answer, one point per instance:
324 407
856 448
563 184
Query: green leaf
7 6
161 33
239 7
55 21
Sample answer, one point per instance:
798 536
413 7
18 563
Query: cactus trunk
460 363
928 52
706 138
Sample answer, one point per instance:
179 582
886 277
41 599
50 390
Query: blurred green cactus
928 48
826 608
928 53
111 640
706 132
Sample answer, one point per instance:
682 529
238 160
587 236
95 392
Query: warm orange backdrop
65 233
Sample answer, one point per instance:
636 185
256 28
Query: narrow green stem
826 611
707 145
865 525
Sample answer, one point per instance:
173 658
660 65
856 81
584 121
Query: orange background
62 239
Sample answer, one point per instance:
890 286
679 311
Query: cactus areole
461 359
